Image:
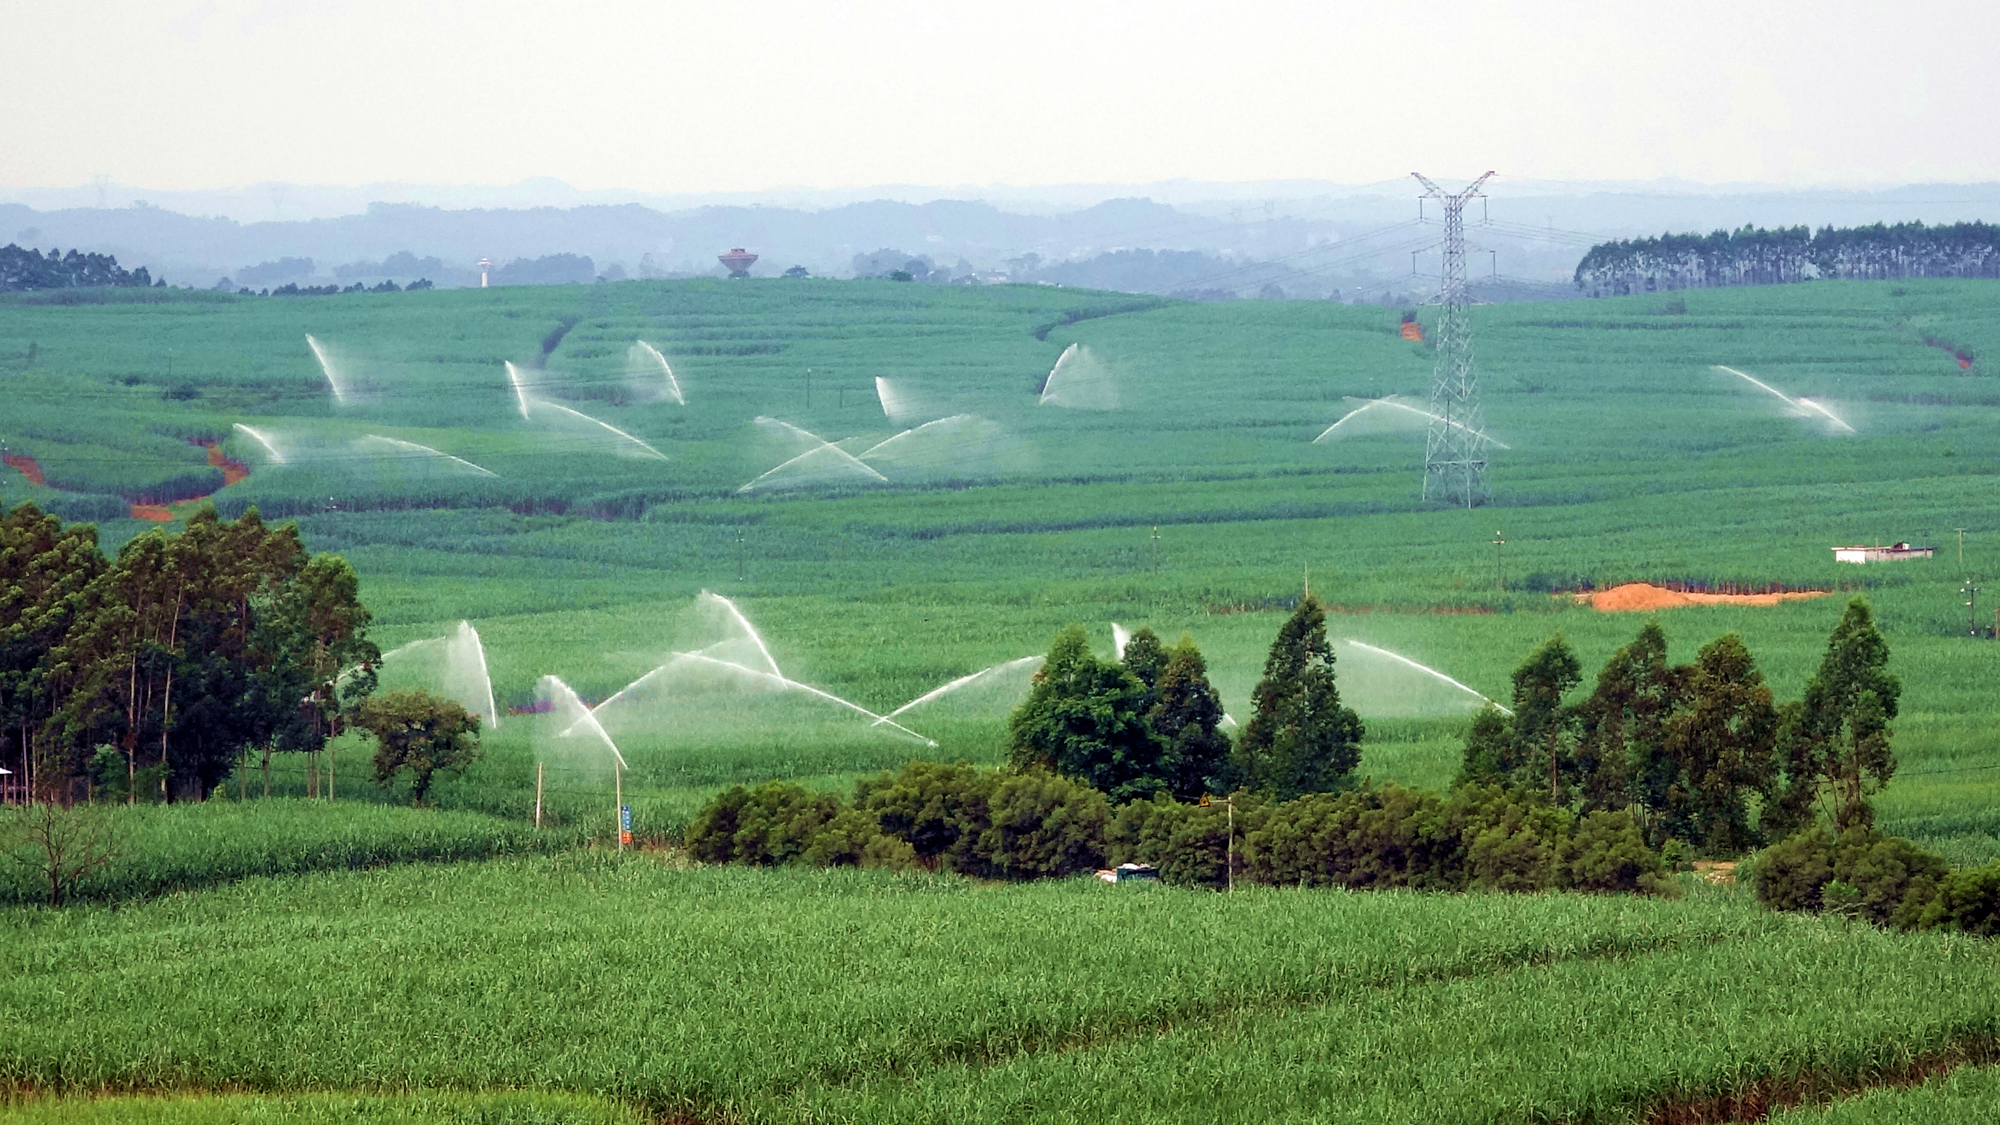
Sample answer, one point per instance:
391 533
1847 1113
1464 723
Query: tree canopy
1300 740
187 650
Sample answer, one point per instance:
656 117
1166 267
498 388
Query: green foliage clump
1696 750
1886 880
1086 718
419 734
1301 740
1835 741
183 653
772 824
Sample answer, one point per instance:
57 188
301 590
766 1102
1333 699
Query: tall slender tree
1834 746
1722 744
1301 739
1544 727
1187 716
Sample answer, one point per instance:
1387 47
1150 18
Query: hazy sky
743 95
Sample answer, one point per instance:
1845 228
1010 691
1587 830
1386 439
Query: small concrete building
1895 553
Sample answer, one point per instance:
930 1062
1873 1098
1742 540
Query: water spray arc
520 388
1455 451
326 368
277 458
1332 433
962 682
413 447
841 460
1427 670
666 369
1803 407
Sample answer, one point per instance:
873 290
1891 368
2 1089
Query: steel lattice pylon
1455 454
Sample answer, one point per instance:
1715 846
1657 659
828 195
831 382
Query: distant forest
1755 256
22 269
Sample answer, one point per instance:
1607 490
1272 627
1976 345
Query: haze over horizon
798 98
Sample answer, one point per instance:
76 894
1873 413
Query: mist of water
822 465
626 443
407 447
693 695
995 691
1080 381
1120 637
570 737
466 678
1798 407
520 389
650 375
719 615
1382 415
277 458
895 404
1378 681
334 379
452 666
961 447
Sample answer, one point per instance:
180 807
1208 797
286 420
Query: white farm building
1894 553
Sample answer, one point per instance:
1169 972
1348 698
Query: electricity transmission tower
1455 454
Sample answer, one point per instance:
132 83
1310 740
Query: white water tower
484 265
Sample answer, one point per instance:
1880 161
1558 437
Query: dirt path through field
28 468
1643 597
232 472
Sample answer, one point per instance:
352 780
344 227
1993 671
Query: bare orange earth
1644 596
232 470
28 468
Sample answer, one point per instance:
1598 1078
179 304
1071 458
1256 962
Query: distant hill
1298 239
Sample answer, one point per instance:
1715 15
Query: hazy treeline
1756 256
22 269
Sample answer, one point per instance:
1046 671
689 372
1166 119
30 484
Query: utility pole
1455 452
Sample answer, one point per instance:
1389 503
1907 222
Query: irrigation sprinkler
1961 549
622 816
1499 586
540 767
1971 593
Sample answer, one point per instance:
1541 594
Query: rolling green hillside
572 510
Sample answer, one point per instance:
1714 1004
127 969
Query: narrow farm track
233 472
28 468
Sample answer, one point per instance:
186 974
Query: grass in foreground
428 1107
1967 1096
840 995
166 848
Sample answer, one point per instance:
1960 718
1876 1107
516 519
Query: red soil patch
232 470
28 468
1642 597
158 513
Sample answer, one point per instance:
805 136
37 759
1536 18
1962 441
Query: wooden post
539 767
1231 858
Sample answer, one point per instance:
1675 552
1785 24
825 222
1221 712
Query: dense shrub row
1886 880
1031 824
